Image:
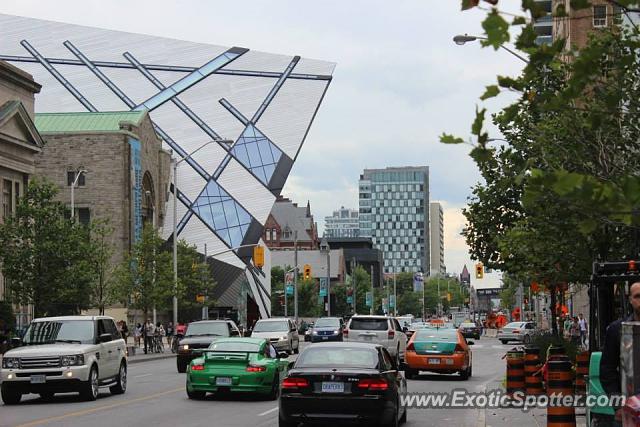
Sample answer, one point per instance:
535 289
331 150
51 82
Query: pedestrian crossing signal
479 270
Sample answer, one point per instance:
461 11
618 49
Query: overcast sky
399 83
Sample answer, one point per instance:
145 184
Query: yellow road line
119 404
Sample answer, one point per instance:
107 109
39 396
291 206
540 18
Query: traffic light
258 256
307 271
479 271
449 296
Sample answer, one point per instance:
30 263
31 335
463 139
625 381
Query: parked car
443 351
469 330
200 335
308 332
364 384
517 331
382 330
281 333
66 354
237 365
327 329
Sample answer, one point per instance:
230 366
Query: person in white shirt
582 322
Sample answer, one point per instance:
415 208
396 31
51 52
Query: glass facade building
394 213
244 114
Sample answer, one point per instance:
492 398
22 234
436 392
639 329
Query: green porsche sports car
237 365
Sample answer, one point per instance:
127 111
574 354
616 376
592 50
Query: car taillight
252 368
516 331
345 333
390 334
291 383
373 384
410 347
458 349
197 368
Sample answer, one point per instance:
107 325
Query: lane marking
99 408
268 412
142 375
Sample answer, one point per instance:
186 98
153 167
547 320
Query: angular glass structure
256 107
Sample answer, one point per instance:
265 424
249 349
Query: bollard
533 383
560 383
582 369
515 371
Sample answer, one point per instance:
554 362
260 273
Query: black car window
397 324
370 324
337 357
112 329
386 360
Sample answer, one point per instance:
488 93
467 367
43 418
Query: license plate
38 379
332 387
223 381
325 338
434 361
367 337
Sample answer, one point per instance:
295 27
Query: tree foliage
195 277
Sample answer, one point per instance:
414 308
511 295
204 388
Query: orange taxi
439 350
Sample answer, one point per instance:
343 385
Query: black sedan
348 381
200 335
469 330
327 329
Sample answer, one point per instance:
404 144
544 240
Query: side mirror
290 365
16 342
104 338
283 355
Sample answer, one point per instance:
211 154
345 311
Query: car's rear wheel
195 394
283 423
464 375
89 389
403 418
121 381
504 341
410 373
182 366
9 396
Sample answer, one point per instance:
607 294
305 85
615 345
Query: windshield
47 332
436 335
336 357
514 325
271 326
208 328
327 323
235 346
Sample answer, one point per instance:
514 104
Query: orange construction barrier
532 365
515 371
560 383
582 369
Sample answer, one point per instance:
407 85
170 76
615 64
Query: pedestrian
149 332
137 334
170 332
566 326
574 331
160 334
124 330
583 329
610 361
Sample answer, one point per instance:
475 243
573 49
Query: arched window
148 198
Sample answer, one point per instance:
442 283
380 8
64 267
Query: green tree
101 259
144 279
46 255
195 277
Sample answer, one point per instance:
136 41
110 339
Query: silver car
517 331
281 333
382 330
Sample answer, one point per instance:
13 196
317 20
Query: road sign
369 299
392 301
418 282
349 300
384 305
289 289
323 286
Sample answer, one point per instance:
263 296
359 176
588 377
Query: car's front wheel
89 389
121 381
9 396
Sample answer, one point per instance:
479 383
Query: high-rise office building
436 230
343 223
394 212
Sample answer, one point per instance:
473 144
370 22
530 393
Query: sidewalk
139 355
508 417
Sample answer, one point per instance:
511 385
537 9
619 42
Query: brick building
581 22
285 219
19 144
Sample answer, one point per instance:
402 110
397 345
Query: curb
133 360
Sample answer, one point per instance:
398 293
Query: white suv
381 330
66 354
281 333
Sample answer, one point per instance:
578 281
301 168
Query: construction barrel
515 371
560 384
532 365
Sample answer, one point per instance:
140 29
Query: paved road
156 397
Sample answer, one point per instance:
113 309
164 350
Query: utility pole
353 283
373 300
328 281
205 308
395 296
295 277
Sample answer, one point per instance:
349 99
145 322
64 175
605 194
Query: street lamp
79 172
324 248
152 208
176 162
462 39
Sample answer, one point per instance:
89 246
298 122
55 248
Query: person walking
160 334
149 332
137 334
583 329
170 332
566 327
124 330
574 331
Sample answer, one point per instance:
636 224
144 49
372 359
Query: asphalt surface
156 397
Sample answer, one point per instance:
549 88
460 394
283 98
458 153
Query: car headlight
283 338
185 346
336 332
315 332
72 360
11 362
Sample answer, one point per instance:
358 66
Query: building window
7 198
71 176
617 15
273 235
83 215
600 16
